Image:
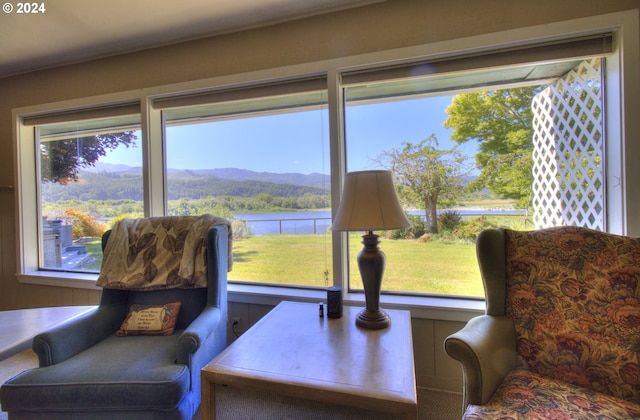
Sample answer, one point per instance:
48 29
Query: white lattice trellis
568 175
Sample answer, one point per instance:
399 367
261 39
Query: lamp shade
369 202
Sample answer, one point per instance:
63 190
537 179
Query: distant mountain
112 167
108 181
310 180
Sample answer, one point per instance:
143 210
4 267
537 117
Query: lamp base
373 320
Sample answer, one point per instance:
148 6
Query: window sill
426 307
60 279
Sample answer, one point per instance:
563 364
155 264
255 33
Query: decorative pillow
150 320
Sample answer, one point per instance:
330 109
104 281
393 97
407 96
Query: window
418 260
519 147
260 157
89 174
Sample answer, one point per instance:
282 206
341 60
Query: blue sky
373 129
298 142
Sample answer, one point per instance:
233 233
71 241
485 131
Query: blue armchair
87 371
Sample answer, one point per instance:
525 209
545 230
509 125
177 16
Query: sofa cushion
574 297
525 394
134 373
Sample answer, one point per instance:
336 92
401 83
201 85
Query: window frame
28 203
622 100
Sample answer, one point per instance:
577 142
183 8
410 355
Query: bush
84 224
241 229
417 229
470 229
449 220
120 217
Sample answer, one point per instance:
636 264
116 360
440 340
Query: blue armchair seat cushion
137 372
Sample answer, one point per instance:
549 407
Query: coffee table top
294 351
21 325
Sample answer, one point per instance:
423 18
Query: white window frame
622 101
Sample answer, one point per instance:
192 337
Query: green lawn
435 267
283 259
94 248
414 266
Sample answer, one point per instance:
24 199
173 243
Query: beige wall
387 25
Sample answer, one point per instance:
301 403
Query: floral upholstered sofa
561 335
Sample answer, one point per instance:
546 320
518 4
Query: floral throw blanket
158 253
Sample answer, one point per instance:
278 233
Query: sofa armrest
66 340
486 348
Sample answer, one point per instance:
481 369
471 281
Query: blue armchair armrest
76 335
201 342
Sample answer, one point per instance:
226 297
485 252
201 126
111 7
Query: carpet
233 404
15 364
237 404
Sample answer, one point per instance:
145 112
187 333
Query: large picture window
512 137
519 147
260 157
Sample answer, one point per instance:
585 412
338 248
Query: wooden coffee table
292 351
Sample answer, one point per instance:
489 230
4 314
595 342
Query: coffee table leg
208 399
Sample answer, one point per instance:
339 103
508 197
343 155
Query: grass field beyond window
412 266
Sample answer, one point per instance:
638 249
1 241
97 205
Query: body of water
318 222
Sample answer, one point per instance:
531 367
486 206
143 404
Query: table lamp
369 202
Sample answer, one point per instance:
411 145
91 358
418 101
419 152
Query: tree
502 122
426 176
61 160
